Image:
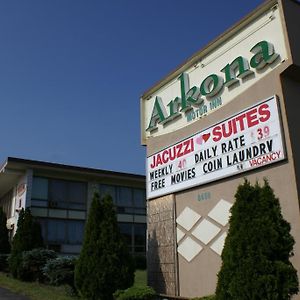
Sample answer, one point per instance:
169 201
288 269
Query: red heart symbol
199 140
206 136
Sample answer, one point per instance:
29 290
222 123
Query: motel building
59 196
229 112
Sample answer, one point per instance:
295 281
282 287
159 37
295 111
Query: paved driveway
8 295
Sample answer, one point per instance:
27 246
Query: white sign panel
248 140
218 77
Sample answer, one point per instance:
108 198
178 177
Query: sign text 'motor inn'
212 85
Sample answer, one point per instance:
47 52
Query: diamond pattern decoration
218 245
188 218
189 249
221 212
206 231
180 235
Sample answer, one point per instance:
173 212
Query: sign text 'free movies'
249 139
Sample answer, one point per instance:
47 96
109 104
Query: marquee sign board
248 140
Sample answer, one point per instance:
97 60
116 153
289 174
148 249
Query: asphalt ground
8 295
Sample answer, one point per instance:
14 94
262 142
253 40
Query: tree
257 249
4 241
104 264
27 237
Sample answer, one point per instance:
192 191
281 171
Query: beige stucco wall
199 276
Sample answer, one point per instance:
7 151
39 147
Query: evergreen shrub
135 293
27 237
104 264
257 249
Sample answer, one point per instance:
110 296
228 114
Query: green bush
4 262
105 264
135 293
27 237
257 249
60 270
33 262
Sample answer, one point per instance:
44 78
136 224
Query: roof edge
39 163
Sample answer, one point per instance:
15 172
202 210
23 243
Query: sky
72 72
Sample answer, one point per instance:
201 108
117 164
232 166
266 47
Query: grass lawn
140 278
33 290
37 291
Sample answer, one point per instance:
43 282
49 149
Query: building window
124 198
139 199
126 231
55 193
39 196
57 231
128 200
58 193
75 232
135 236
139 237
77 195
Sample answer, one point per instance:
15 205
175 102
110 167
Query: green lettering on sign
263 54
212 85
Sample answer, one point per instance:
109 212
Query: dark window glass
129 210
43 223
58 193
56 231
127 200
39 188
67 194
77 195
125 197
39 203
139 197
126 231
77 192
140 211
140 237
75 230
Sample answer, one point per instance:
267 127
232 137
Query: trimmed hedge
135 293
